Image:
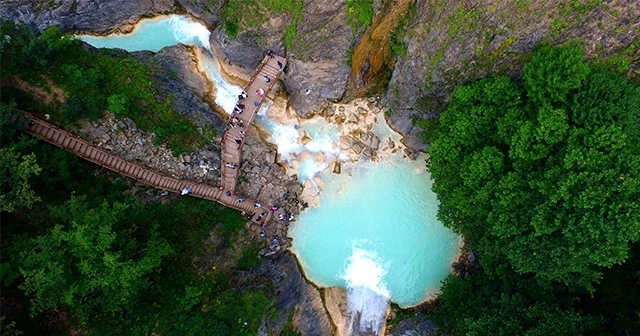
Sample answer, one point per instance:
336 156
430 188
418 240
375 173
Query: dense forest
539 174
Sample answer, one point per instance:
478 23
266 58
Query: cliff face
453 42
314 36
99 16
82 15
441 45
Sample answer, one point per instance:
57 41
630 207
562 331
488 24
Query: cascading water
375 231
367 294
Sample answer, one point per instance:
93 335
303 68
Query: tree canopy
86 264
543 174
509 305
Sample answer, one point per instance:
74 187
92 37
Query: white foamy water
155 34
324 139
367 294
226 94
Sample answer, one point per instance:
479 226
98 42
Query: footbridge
259 86
256 90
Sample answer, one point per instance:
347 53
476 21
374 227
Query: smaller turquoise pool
155 34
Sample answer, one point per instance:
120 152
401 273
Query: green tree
88 265
480 305
16 173
545 175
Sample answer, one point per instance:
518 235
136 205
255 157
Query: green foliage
9 124
429 128
118 104
545 175
553 72
90 257
86 265
282 6
398 35
480 305
94 82
231 18
359 14
8 329
16 172
292 28
250 257
242 312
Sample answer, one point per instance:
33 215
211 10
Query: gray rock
326 80
98 16
337 167
369 152
175 75
414 326
358 147
375 142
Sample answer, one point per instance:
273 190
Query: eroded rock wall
317 53
101 16
82 15
453 42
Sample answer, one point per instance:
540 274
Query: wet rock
327 82
375 142
369 152
305 139
410 153
270 157
337 167
330 111
335 301
358 147
414 326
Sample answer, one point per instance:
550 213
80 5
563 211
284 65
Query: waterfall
367 295
187 31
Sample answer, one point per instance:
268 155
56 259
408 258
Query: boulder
375 142
337 167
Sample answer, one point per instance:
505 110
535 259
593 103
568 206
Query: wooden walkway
231 150
233 137
101 157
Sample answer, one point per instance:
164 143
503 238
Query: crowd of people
238 129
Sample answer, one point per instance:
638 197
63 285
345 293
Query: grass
398 35
241 15
250 257
359 14
292 29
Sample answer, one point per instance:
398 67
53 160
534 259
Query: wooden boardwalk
231 150
69 142
233 137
